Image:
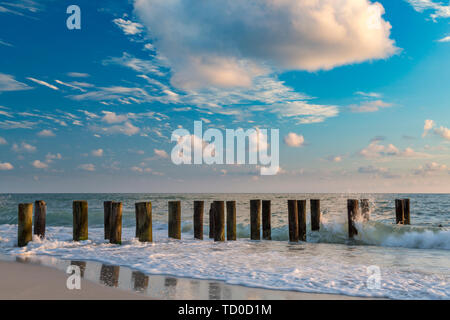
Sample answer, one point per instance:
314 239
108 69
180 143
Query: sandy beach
30 281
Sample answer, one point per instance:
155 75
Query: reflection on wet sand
140 281
81 265
170 284
109 275
214 291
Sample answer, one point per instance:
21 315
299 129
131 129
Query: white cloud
46 133
136 64
445 39
78 75
368 94
3 141
23 147
231 49
127 128
97 153
443 132
370 106
335 158
87 167
70 85
294 140
8 83
39 164
50 157
437 8
161 153
376 150
304 112
129 27
3 43
429 124
430 168
6 166
112 117
43 83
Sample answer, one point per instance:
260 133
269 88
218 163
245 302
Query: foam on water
414 260
307 267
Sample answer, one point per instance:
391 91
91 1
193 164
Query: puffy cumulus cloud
294 140
97 153
23 147
429 124
443 132
6 166
39 164
431 167
46 133
112 117
8 83
376 150
128 27
227 43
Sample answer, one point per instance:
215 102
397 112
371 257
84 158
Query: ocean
383 260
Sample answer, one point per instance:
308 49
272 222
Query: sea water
413 261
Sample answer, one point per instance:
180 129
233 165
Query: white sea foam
308 267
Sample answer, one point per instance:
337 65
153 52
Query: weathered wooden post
25 224
231 220
219 221
301 209
144 221
399 211
198 219
115 223
406 213
175 219
80 220
255 219
365 209
211 221
40 213
315 214
352 215
107 207
266 220
293 220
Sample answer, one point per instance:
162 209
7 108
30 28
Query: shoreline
36 278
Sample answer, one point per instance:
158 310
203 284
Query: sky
358 89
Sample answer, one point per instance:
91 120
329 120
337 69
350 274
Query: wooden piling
301 210
399 211
293 220
406 213
266 220
107 207
211 221
80 220
115 223
198 219
255 219
175 219
144 221
352 215
231 220
40 213
315 214
365 209
25 224
219 221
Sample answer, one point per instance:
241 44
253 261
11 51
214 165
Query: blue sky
359 90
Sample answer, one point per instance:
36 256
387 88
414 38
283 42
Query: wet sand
45 278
